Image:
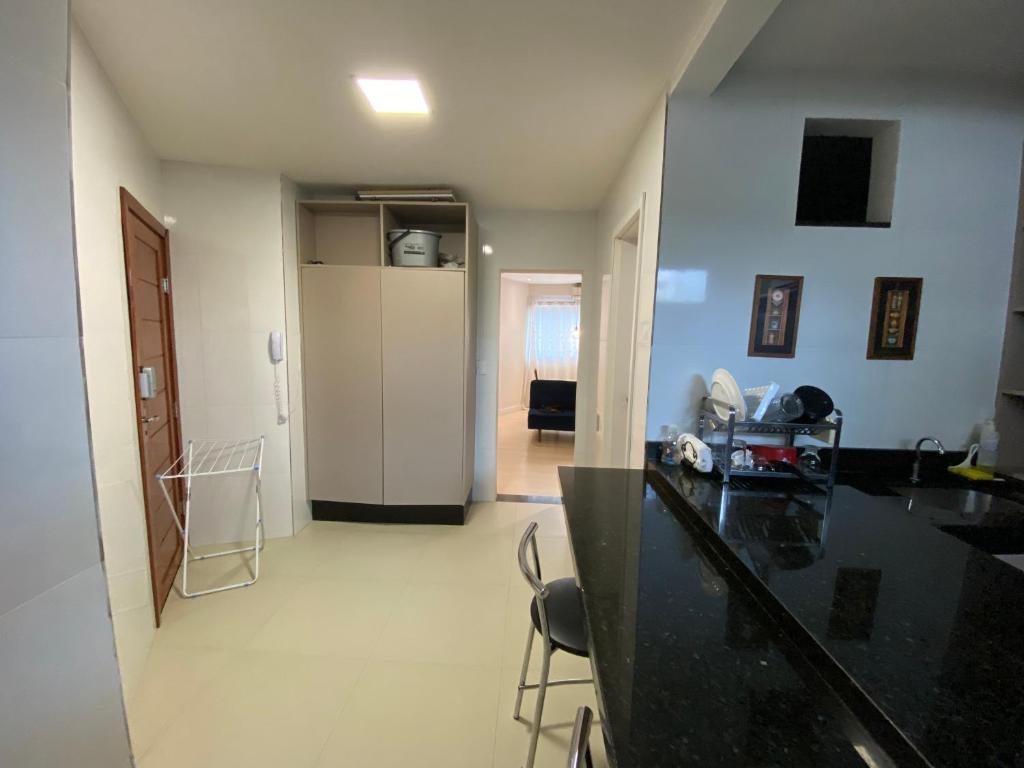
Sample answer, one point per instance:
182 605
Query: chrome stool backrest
533 577
579 744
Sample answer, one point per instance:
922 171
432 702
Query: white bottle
988 446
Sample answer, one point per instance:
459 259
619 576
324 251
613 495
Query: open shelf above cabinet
354 232
447 219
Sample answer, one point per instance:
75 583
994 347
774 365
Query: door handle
148 419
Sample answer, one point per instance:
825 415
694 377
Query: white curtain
552 340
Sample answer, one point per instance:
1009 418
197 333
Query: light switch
482 368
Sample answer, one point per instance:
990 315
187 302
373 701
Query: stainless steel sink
986 522
968 503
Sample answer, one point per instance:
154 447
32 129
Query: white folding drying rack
209 458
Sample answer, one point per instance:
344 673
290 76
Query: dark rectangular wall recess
847 173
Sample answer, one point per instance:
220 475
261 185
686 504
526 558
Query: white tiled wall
60 697
108 152
228 278
301 510
731 175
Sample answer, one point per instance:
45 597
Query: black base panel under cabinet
416 514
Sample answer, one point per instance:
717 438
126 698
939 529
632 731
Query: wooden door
423 316
147 267
341 359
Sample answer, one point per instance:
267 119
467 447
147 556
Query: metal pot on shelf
413 247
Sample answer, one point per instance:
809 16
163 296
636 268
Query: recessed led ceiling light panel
402 97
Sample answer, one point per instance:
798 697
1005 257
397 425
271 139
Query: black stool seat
564 609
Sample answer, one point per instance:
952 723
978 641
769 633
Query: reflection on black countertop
929 627
690 669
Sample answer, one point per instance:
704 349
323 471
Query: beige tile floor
527 467
360 645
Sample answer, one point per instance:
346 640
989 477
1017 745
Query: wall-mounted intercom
275 346
147 383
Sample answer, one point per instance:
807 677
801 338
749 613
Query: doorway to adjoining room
538 357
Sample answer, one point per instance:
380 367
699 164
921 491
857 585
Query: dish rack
722 452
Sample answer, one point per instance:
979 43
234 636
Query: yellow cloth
972 473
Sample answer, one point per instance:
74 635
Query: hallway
527 467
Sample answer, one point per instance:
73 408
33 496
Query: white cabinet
423 351
388 366
341 340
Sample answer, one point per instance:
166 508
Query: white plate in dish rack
725 389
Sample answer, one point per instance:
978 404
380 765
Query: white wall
108 152
60 692
228 287
637 185
525 241
515 298
732 166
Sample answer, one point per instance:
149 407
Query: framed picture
894 311
775 315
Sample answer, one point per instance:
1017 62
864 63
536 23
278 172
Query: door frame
497 341
630 222
132 207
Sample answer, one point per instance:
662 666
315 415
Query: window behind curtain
552 340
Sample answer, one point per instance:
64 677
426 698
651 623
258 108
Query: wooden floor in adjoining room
527 467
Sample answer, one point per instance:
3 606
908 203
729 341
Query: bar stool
579 744
556 613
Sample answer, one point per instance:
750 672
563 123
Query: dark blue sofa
552 406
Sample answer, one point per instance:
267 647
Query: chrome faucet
915 477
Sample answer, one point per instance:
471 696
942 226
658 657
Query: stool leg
522 675
542 687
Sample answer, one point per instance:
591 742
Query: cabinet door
341 343
424 415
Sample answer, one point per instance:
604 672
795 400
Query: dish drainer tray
721 452
720 455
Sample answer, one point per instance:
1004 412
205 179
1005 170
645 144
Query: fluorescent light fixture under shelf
394 96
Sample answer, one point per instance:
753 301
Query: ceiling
535 104
982 39
542 278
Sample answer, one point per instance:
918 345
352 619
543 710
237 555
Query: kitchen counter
690 667
927 627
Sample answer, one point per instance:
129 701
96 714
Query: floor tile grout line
504 636
340 713
497 720
198 692
399 600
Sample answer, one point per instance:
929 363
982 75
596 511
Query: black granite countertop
927 626
691 668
